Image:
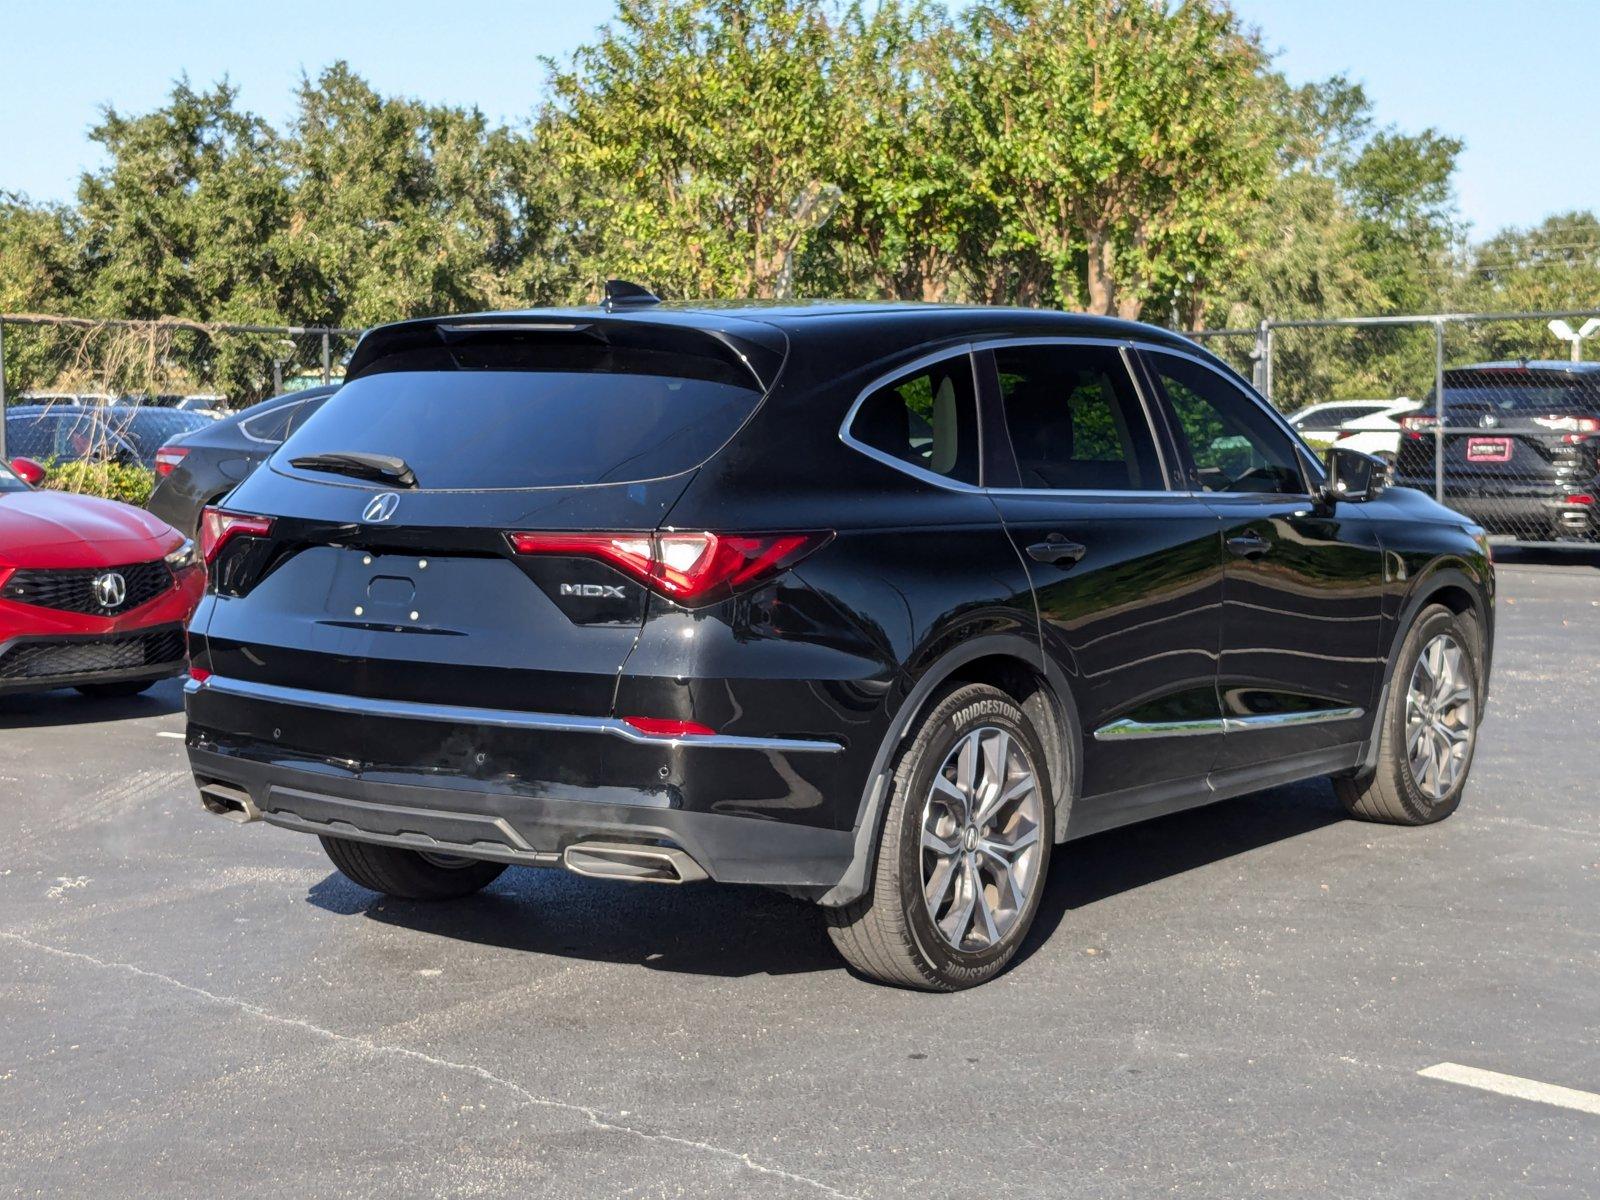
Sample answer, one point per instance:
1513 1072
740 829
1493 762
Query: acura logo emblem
110 590
380 508
1488 421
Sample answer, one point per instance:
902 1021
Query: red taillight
1416 424
199 674
168 457
218 528
1580 498
663 727
1588 424
691 568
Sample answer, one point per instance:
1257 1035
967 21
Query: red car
93 594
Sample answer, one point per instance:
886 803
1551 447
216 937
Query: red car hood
56 529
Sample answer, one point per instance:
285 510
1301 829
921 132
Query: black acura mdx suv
873 604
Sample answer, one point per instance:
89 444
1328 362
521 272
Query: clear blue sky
1513 79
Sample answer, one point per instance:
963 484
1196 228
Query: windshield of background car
540 416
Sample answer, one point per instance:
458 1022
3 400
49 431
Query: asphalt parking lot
1230 1002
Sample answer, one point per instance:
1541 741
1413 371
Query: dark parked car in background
1521 443
873 604
207 463
111 433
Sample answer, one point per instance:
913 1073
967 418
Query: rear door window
1075 421
528 419
927 419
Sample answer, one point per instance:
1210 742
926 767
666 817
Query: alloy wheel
980 849
1440 712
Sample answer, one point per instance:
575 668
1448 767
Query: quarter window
1075 421
1235 444
928 419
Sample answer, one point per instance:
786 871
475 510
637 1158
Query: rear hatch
400 581
1508 430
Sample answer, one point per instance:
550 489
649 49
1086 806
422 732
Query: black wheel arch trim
1027 651
1424 588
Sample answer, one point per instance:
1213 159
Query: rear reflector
664 727
168 457
1580 498
691 568
199 674
218 528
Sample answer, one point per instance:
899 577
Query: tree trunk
1102 283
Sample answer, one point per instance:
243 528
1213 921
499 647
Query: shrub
111 481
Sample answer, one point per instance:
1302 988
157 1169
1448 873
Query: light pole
1564 331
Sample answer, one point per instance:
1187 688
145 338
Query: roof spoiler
758 350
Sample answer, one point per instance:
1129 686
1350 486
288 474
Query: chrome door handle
1057 549
1248 545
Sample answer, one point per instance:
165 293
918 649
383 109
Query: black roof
759 334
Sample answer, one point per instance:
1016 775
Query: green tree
1548 267
693 135
1121 142
910 224
184 219
399 208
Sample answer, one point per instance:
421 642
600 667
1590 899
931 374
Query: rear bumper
510 786
1536 513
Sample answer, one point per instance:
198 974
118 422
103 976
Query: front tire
964 851
408 875
1428 729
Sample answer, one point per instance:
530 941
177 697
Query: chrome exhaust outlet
226 800
631 861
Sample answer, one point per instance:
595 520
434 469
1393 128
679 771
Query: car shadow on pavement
34 710
722 930
695 929
1090 870
1547 556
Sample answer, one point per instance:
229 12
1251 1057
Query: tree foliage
1134 157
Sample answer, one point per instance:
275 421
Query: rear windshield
599 418
152 428
1521 391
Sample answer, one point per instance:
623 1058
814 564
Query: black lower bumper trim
530 830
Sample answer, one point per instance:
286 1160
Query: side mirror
1353 476
30 472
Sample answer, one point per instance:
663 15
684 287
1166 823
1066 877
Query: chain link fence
1491 413
118 368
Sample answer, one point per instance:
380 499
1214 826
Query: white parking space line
1514 1085
168 733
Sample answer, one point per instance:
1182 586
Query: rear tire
1426 739
113 691
944 919
407 874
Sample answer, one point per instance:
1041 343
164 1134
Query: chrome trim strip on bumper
505 718
1125 729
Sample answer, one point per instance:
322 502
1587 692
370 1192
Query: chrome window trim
1296 442
244 426
1125 729
503 718
1125 348
955 350
971 348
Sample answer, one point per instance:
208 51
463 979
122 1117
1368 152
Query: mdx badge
594 591
380 508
